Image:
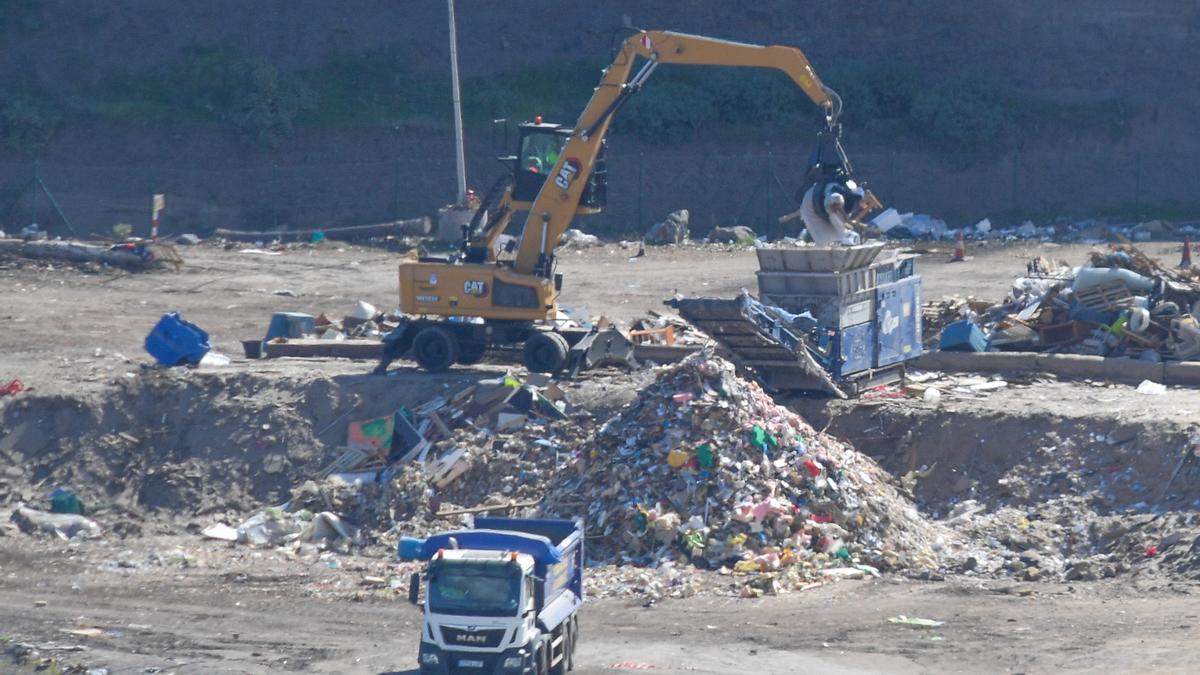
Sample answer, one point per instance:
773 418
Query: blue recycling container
174 341
290 325
410 548
963 336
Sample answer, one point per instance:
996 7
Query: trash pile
491 447
672 230
1084 507
1121 303
705 467
667 329
363 322
895 225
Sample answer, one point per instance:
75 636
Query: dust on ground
167 452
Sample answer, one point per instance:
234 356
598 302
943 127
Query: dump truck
501 598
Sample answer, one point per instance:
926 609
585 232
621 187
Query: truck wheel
470 353
546 352
569 651
435 349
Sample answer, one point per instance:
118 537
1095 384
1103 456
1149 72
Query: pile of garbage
895 225
666 329
672 230
1121 303
491 447
705 467
364 321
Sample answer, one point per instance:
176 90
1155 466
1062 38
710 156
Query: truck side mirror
414 587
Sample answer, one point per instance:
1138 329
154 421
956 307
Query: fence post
37 182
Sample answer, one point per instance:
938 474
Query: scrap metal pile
1121 303
704 466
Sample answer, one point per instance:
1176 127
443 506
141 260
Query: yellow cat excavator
485 297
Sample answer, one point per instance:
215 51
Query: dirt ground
160 597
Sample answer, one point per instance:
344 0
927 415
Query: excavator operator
541 154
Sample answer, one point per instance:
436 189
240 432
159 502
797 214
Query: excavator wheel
435 349
546 352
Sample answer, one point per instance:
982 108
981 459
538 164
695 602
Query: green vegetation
965 114
966 118
376 88
20 14
217 86
27 120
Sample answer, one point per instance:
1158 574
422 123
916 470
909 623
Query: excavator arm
551 213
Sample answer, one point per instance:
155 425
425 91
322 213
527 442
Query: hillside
303 112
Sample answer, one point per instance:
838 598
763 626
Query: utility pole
460 160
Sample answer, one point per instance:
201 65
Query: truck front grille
458 637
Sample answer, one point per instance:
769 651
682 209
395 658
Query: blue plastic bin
174 341
410 548
963 336
290 325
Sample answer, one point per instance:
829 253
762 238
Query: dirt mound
1042 495
184 443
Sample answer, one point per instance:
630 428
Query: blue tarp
542 550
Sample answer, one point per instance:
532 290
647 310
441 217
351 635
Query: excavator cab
539 147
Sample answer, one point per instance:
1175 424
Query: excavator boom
457 310
551 213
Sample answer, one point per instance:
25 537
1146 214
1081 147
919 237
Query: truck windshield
475 590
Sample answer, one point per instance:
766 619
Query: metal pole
275 195
37 184
458 123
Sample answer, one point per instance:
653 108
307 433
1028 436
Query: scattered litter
915 621
63 525
221 531
1151 388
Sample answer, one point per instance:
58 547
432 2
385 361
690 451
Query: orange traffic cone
1186 261
960 248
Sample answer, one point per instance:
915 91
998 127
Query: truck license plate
470 663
